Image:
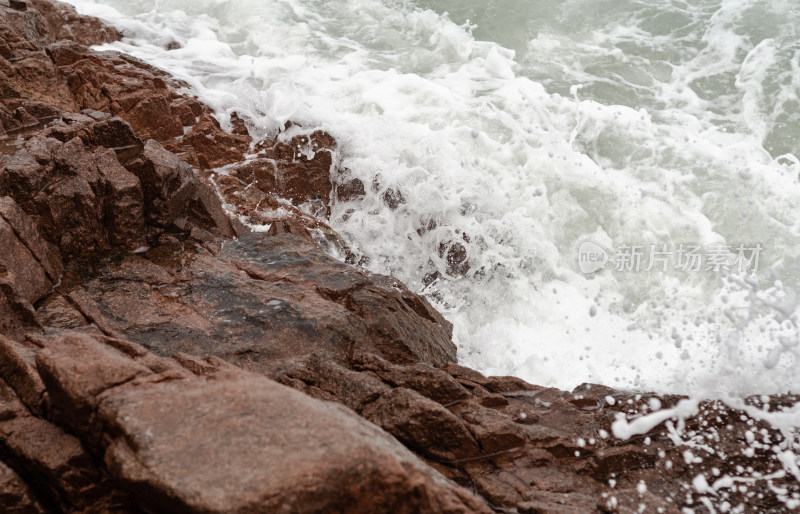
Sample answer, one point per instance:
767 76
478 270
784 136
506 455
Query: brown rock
355 390
27 233
17 315
493 431
86 202
260 208
35 77
630 501
186 111
206 305
613 461
422 378
63 22
423 425
212 146
261 464
348 189
18 369
63 469
297 168
465 376
455 256
114 133
168 183
508 385
489 399
274 447
558 503
66 52
55 462
30 278
75 370
293 226
173 192
124 202
151 117
72 214
15 495
56 312
535 485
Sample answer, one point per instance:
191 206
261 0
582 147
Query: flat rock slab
232 441
262 302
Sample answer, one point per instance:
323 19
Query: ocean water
526 143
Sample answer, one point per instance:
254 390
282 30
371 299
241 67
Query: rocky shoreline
159 355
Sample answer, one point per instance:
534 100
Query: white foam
624 429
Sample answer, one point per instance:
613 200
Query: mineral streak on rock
158 356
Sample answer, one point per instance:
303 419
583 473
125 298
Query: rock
75 370
187 110
630 501
66 52
355 390
542 450
191 301
260 208
26 232
504 385
212 146
124 202
17 315
347 189
63 22
35 77
145 111
611 462
493 431
559 503
290 226
455 258
18 369
422 378
57 313
15 495
86 203
168 183
30 278
465 376
56 462
114 133
297 167
139 93
274 448
65 472
423 425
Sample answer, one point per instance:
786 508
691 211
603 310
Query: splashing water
508 133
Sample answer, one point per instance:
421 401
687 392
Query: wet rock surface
260 302
158 356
